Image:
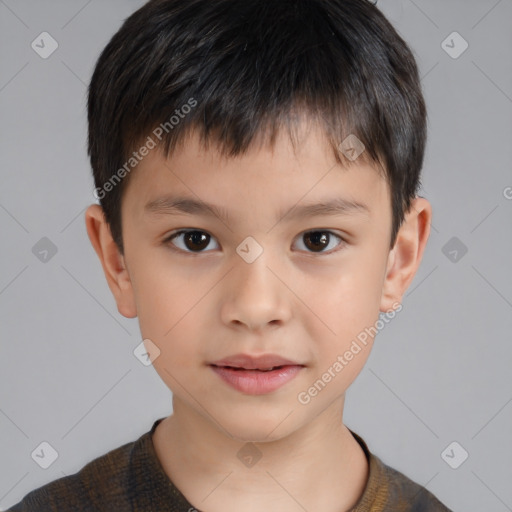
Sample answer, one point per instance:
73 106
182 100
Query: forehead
278 175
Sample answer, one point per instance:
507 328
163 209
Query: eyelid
167 239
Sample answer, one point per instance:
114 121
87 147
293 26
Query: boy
257 164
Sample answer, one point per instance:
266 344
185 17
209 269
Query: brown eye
318 241
192 240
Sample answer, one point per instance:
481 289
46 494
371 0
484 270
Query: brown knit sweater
131 478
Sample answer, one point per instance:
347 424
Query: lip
256 382
244 372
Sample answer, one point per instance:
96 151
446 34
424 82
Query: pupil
320 239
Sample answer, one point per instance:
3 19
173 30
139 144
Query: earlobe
405 257
112 261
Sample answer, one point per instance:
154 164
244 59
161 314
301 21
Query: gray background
440 371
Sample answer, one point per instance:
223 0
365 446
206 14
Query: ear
405 257
111 259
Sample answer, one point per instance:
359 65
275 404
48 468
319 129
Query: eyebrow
171 205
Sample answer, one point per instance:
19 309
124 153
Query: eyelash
167 241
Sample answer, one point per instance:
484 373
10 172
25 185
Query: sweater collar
154 489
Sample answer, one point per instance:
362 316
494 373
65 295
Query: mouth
235 368
263 362
256 375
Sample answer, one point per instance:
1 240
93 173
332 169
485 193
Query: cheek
348 297
162 297
180 352
170 313
347 303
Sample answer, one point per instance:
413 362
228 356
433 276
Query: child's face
292 300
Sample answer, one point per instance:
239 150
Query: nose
256 296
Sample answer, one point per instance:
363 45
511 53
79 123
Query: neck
319 465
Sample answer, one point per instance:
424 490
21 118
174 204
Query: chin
258 427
